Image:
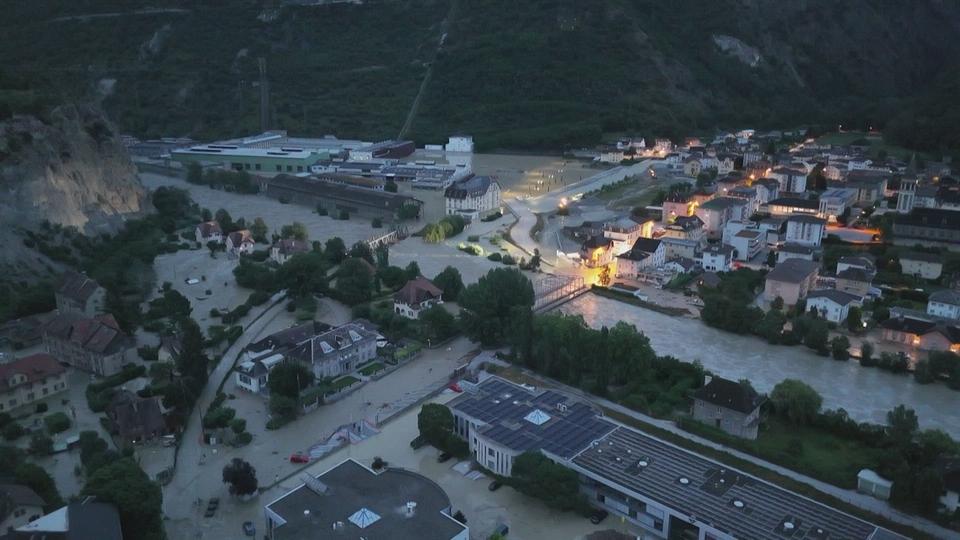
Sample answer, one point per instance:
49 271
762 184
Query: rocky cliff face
69 168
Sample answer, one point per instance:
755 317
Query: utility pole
264 95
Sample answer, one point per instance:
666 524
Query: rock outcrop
68 168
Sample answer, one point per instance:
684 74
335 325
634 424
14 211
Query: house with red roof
93 344
416 296
30 379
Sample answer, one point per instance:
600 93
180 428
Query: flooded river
866 393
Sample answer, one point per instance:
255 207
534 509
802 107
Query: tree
206 215
796 401
392 276
855 320
438 324
383 256
289 379
435 423
777 303
866 353
303 275
335 250
817 335
557 486
241 476
296 230
259 230
450 282
57 422
361 250
390 186
136 497
902 425
194 173
376 223
772 259
604 278
283 407
771 326
493 304
354 282
37 479
412 270
839 348
409 211
223 218
41 444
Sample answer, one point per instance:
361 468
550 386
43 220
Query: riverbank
866 394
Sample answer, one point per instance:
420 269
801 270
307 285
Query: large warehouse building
665 490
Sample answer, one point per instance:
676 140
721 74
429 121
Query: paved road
269 451
526 210
849 496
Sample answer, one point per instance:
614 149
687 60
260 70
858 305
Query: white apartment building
806 230
474 197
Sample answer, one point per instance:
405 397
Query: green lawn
372 368
342 383
807 450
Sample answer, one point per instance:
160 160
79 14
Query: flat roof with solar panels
524 420
708 493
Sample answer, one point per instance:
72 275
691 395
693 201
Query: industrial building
336 198
665 490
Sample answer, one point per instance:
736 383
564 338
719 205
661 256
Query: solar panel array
728 500
503 406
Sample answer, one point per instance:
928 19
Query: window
289 168
279 168
256 166
490 451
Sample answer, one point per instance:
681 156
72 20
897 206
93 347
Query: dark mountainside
534 74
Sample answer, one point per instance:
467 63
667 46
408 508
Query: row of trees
235 181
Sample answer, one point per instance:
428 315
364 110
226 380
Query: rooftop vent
684 480
737 503
410 508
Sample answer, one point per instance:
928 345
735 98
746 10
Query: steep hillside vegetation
538 73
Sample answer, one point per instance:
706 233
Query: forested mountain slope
537 73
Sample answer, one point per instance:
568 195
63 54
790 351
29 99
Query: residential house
790 179
949 469
209 231
718 258
715 213
337 351
787 206
775 229
25 381
727 184
352 501
596 251
136 419
921 265
944 304
96 345
726 163
864 262
253 375
831 304
679 247
240 242
624 233
747 244
806 230
768 189
416 296
730 406
835 202
748 194
77 293
870 186
692 166
646 253
680 265
611 154
170 349
791 280
922 334
930 224
19 505
795 251
686 228
86 520
475 197
677 205
24 332
284 249
854 281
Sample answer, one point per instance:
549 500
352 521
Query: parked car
212 506
495 485
501 529
299 457
249 529
598 516
418 443
443 457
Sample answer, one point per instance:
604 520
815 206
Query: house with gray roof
791 280
86 520
728 405
472 197
338 351
77 293
945 304
831 304
19 505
